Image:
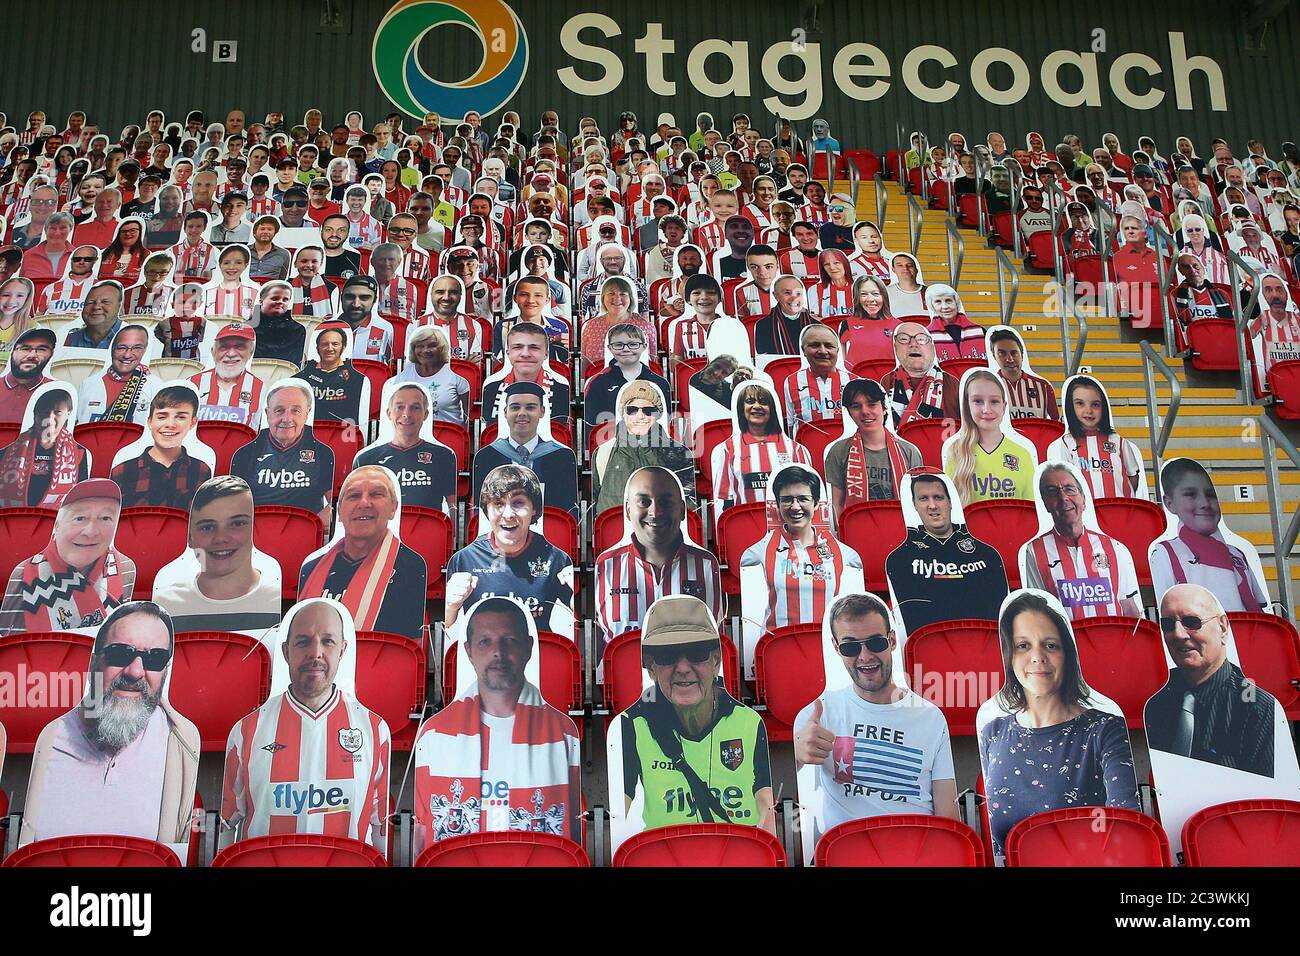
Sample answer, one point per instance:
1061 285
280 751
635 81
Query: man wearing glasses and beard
121 762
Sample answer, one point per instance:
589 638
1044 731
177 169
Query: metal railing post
1006 303
915 222
882 202
1017 176
1151 363
1241 316
954 265
924 156
1284 543
1165 277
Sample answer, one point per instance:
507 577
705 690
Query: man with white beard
121 762
228 391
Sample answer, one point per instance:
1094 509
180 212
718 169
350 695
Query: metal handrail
1057 210
1006 303
1165 277
882 202
915 222
1071 310
1017 177
1242 315
1151 363
954 271
923 154
1283 542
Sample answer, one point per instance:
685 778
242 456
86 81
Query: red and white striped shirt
373 339
761 218
266 206
401 299
464 334
751 300
810 399
814 214
1031 397
686 337
141 300
710 237
366 232
65 296
419 265
801 264
291 771
1216 266
236 303
1106 461
1275 341
801 579
743 463
627 584
193 262
237 400
1089 579
864 265
827 301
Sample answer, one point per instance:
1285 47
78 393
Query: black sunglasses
1190 622
83 258
697 653
875 643
293 203
121 655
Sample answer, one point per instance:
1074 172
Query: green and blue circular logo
404 81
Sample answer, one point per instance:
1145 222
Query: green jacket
614 463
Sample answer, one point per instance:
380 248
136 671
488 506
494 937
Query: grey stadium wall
872 68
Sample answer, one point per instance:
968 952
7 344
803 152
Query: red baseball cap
94 488
237 330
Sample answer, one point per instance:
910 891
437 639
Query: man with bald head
312 759
777 333
918 387
1208 710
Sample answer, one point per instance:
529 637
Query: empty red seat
1284 385
928 435
391 674
1214 345
955 665
431 534
218 678
24 532
151 537
780 369
62 659
299 850
957 367
224 438
345 440
289 535
874 369
8 432
510 848
104 440
457 439
607 530
1041 251
817 437
789 673
1269 650
903 839
377 373
1088 836
739 527
708 437
1002 229
702 844
969 207
1041 431
1124 659
1136 523
1005 523
108 852
682 381
873 529
473 374
1244 833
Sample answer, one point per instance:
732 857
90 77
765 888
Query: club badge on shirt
307 457
350 739
732 753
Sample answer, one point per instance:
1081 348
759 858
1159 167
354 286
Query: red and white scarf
17 469
857 486
56 597
316 300
364 595
121 407
1209 551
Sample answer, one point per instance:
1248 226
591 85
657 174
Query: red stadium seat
456 437
928 435
472 373
377 373
1040 431
510 848
560 661
23 533
968 206
113 852
1123 658
789 673
8 432
1214 345
1135 522
345 440
1002 229
1284 385
739 527
1006 524
903 839
607 530
289 535
1041 250
873 529
956 665
708 437
702 844
682 381
104 440
939 194
958 367
151 537
890 169
1244 833
780 369
219 678
391 671
1269 650
300 850
431 534
225 438
867 162
1088 836
874 369
817 437
559 527
63 658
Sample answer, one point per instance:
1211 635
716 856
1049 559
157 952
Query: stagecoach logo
396 60
732 753
350 739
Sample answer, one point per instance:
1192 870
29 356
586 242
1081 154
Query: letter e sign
225 51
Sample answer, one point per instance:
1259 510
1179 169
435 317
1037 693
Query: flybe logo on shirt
1085 592
308 799
326 394
283 478
681 800
991 486
1096 464
945 570
408 478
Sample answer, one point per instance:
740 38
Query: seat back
299 849
1284 384
1214 344
175 369
104 440
109 852
789 673
1135 522
1006 524
956 665
509 848
1244 833
708 437
23 533
75 371
1269 650
739 527
904 839
873 529
218 678
289 535
874 369
431 534
377 373
702 844
391 672
8 432
957 367
456 437
817 437
781 369
224 438
345 440
271 371
1124 659
1088 836
151 537
928 435
1040 431
63 658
